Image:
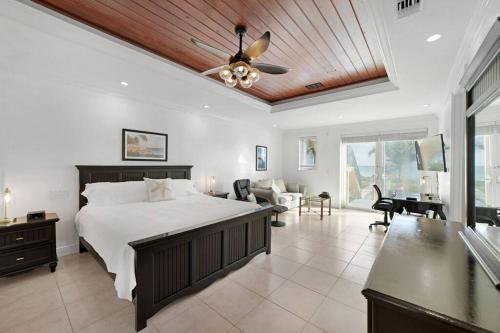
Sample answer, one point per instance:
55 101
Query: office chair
384 205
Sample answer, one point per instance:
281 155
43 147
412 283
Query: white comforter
109 229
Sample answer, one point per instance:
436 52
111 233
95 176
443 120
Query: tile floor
310 283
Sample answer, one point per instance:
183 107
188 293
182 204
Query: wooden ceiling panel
319 40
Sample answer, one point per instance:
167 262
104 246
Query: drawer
25 258
27 236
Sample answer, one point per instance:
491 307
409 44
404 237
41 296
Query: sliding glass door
389 164
361 168
400 167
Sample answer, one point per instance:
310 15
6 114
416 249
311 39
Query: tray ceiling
320 40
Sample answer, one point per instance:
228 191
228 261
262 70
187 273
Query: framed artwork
144 146
261 158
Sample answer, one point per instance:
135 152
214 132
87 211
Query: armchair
242 190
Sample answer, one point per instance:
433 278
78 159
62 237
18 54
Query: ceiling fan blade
213 70
215 51
270 69
259 46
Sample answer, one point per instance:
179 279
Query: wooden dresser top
425 266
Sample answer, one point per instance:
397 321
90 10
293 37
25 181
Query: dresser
425 280
25 245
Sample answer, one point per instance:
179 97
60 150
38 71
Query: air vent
408 7
314 86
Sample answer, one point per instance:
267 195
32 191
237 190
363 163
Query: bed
188 254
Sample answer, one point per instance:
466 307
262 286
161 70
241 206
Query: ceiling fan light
225 73
254 74
246 82
231 81
240 69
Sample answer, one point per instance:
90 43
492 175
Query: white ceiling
43 47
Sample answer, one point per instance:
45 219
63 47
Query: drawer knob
19 239
20 259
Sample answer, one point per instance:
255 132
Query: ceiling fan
240 67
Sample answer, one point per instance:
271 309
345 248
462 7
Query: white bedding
109 229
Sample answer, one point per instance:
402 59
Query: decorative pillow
275 188
182 187
159 189
108 194
251 197
281 184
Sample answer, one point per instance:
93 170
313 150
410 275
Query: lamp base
6 220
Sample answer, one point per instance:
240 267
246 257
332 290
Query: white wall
327 176
49 123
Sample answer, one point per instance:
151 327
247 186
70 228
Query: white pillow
275 188
159 189
251 197
107 194
182 187
281 184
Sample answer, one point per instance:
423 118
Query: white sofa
277 192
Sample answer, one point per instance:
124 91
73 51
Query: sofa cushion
275 188
281 184
264 183
291 196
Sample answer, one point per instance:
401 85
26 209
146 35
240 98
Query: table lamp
7 196
212 183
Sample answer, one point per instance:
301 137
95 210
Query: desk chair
382 204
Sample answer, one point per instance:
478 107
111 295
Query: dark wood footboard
168 267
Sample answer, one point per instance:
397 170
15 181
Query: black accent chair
242 190
382 204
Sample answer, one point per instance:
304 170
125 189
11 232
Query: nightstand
25 245
222 195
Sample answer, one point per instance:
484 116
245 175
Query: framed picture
144 146
261 158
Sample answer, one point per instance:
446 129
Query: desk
426 280
420 205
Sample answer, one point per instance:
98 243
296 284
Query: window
307 153
386 159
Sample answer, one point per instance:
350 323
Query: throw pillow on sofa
275 188
281 184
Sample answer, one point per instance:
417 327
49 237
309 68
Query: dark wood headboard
123 173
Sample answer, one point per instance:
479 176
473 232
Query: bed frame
170 266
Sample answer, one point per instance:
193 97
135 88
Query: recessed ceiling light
426 105
341 116
433 38
206 106
274 125
123 83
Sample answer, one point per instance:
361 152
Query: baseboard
67 249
